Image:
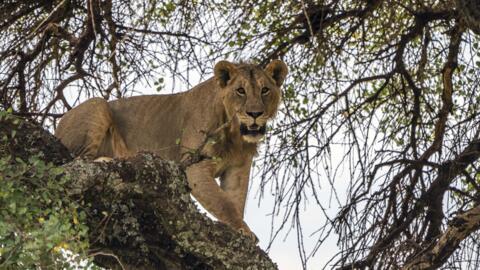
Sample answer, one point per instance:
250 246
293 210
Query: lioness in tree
222 118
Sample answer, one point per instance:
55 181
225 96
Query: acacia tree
392 82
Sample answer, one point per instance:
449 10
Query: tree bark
139 210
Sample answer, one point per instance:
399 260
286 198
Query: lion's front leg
215 200
235 183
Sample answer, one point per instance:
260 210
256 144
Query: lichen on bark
144 212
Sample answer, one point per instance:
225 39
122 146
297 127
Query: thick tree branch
435 210
139 211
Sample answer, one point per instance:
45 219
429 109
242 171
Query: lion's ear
278 70
224 72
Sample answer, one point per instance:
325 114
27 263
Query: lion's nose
254 114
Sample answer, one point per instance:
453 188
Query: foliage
392 85
39 225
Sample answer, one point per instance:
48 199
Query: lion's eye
265 91
240 91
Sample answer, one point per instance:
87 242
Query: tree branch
460 227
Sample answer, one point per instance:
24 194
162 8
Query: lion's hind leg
83 130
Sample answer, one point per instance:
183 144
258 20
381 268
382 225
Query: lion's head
250 94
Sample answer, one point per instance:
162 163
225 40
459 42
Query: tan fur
173 126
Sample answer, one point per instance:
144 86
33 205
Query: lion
223 118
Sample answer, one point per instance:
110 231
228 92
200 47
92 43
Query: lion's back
150 123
